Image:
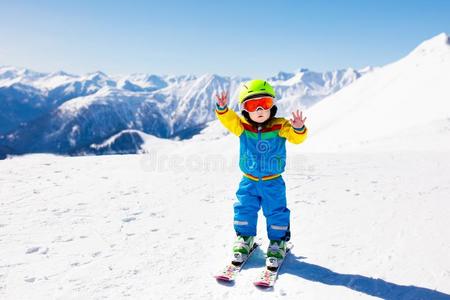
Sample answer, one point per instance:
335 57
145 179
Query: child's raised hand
298 121
222 99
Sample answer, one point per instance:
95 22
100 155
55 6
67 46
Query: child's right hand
222 99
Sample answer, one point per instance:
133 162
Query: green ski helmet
255 87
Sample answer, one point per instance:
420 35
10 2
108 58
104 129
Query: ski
268 276
229 273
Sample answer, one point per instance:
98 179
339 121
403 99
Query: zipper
259 154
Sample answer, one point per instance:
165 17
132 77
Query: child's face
260 115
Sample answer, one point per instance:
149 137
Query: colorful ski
229 273
268 276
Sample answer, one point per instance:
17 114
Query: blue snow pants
271 196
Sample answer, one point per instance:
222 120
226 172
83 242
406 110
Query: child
262 160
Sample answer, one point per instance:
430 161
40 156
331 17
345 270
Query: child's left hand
298 121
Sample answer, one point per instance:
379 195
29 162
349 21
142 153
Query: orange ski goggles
253 104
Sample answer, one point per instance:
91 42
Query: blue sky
248 38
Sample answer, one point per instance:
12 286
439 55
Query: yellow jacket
262 150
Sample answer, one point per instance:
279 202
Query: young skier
262 160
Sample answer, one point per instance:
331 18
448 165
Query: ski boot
275 253
242 247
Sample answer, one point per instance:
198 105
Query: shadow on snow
371 286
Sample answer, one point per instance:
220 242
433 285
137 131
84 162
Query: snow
53 80
103 96
74 106
150 81
159 225
150 141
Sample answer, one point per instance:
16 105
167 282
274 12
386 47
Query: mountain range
70 114
402 105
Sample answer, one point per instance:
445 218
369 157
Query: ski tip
226 281
262 284
222 278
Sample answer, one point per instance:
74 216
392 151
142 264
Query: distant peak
61 73
436 43
97 74
366 69
444 36
438 40
6 67
281 76
209 76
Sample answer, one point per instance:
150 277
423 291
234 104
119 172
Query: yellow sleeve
293 135
230 120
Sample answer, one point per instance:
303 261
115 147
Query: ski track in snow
363 225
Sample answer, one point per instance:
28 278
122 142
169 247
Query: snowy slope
127 139
158 226
401 105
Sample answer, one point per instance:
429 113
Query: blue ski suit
262 160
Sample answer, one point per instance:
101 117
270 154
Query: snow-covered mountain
76 87
403 105
80 122
19 104
142 82
27 96
10 75
306 87
181 105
